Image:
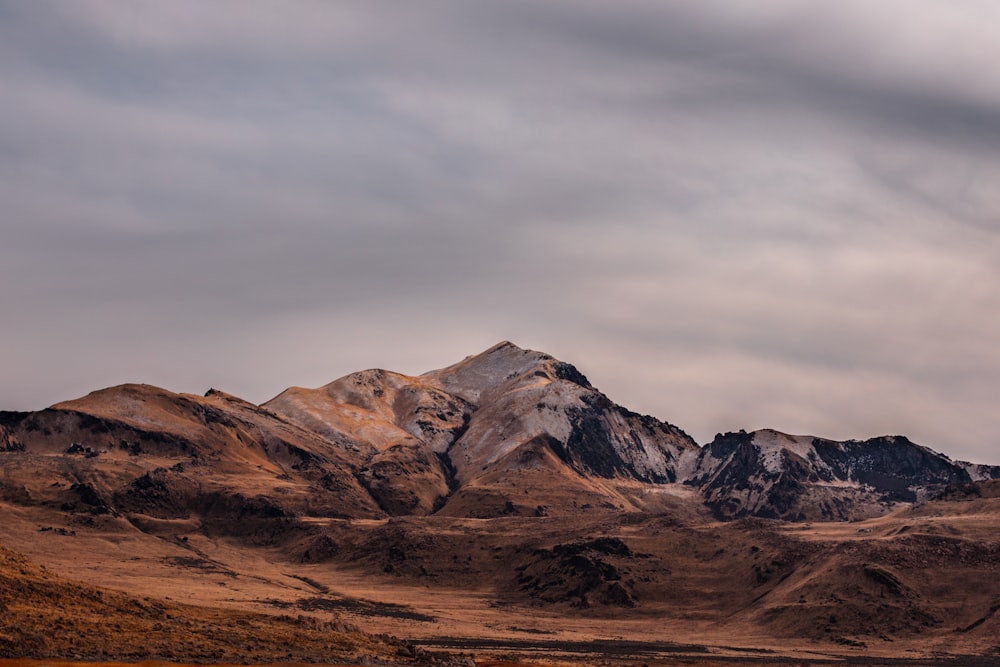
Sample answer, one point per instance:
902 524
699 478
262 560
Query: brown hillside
45 616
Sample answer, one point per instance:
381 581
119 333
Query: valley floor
400 579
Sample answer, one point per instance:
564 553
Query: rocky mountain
459 439
775 475
140 449
505 432
502 495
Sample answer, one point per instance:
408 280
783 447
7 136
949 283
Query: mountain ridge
458 439
504 495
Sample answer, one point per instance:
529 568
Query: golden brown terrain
501 508
45 616
921 583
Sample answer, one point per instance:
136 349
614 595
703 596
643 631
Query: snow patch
772 443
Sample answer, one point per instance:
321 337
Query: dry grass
44 616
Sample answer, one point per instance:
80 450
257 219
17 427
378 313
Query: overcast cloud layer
728 215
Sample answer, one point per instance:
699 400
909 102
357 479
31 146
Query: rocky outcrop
525 396
9 443
578 574
398 428
775 475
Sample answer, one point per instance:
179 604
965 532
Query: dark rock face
579 574
971 491
406 480
58 430
161 493
568 372
785 489
772 475
891 465
725 444
92 498
9 443
587 447
609 441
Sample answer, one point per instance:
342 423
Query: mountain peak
504 344
482 374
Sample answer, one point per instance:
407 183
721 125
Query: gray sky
727 214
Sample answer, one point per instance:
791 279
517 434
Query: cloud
728 215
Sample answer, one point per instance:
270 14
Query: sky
728 215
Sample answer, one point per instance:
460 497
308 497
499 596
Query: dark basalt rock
160 493
609 546
589 448
9 443
970 491
891 464
579 574
725 444
10 419
593 448
95 501
883 470
569 373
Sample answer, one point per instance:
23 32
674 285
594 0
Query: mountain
460 439
499 504
775 475
141 449
505 432
397 428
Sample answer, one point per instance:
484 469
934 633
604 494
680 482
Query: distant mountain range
505 432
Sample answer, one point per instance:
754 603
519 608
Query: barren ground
444 604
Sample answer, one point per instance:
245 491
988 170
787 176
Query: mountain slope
460 438
523 395
775 475
44 616
137 449
400 427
